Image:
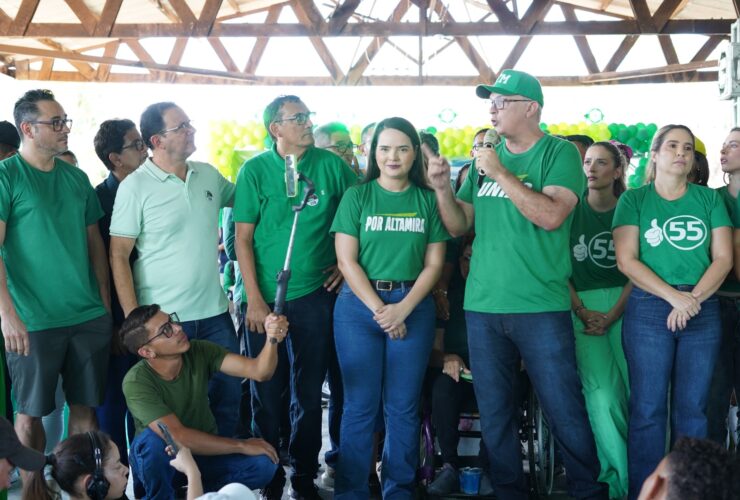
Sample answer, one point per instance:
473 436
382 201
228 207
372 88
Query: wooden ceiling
101 40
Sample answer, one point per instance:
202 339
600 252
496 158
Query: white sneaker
327 478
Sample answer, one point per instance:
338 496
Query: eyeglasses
57 124
165 329
342 147
188 125
499 102
298 118
138 145
478 145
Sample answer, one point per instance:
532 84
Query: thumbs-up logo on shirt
654 235
580 250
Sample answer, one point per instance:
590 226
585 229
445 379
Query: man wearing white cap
516 299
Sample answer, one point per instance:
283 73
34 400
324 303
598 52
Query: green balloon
432 130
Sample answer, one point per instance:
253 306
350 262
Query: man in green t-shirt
520 196
167 209
263 217
335 137
54 291
170 386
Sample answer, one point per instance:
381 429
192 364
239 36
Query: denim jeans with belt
545 342
376 368
657 359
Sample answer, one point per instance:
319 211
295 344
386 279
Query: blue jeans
658 359
224 392
726 372
113 413
336 405
151 465
373 367
302 363
546 344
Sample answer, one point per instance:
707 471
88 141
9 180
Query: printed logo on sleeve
684 232
600 250
401 222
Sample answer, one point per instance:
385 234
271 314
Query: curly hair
701 469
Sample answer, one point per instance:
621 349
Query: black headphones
97 486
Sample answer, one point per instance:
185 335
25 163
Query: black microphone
490 140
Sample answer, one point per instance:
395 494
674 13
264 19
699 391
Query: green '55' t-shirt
518 267
261 200
592 249
393 229
675 235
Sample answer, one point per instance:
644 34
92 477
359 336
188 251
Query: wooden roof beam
187 18
706 27
140 52
341 15
5 22
308 15
504 15
372 49
516 53
273 14
581 42
665 12
85 69
107 18
110 51
662 70
207 17
536 12
485 72
624 47
27 74
23 18
223 54
176 56
707 49
46 68
153 67
642 16
84 14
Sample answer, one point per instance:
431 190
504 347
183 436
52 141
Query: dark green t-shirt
675 236
261 200
518 267
50 277
150 397
592 249
730 285
393 229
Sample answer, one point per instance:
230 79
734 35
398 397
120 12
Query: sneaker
305 493
446 483
486 487
327 478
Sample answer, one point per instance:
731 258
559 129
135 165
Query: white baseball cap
233 491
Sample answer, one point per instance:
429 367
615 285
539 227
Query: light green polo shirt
175 225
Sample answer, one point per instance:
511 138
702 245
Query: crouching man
170 385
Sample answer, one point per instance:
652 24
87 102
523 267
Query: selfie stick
284 275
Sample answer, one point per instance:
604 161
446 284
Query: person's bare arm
261 368
123 279
99 263
203 443
257 308
456 215
14 330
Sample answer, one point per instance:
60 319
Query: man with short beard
54 289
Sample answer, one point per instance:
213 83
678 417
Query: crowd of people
620 306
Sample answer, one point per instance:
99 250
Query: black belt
387 286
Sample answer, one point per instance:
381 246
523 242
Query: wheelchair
538 445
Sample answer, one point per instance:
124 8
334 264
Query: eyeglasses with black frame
138 145
57 124
165 329
342 147
183 126
499 102
298 118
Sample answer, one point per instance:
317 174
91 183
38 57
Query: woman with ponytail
86 466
